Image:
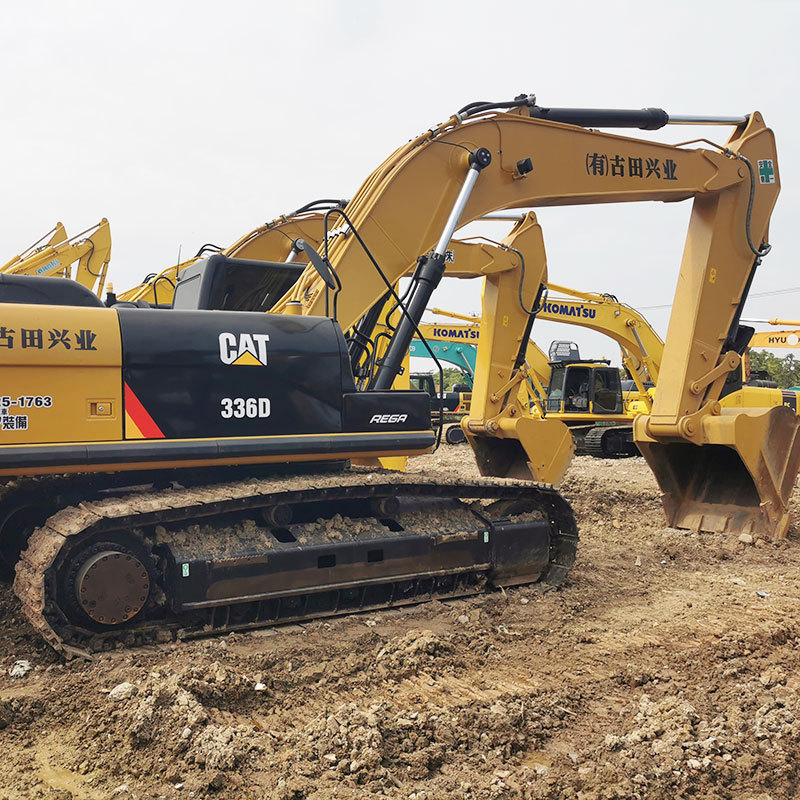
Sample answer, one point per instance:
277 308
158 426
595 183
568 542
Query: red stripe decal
138 413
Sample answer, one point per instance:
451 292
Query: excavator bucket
740 479
524 448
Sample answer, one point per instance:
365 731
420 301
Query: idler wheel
455 435
112 587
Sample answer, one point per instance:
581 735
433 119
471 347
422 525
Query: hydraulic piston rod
639 340
648 119
504 216
428 275
691 119
293 253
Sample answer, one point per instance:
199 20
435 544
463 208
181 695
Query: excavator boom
55 259
514 159
54 236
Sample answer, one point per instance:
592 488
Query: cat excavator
157 454
91 249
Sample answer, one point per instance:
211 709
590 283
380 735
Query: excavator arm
92 254
642 348
486 160
54 236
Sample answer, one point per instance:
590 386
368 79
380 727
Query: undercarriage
135 567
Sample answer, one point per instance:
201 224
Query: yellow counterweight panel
757 397
62 375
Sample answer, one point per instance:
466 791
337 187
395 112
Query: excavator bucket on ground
739 481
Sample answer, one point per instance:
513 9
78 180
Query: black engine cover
202 374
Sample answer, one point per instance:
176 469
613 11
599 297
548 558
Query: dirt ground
667 666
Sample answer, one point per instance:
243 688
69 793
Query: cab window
607 397
555 392
576 389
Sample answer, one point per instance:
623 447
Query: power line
770 293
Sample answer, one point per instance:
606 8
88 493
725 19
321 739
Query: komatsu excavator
461 354
54 236
126 401
91 249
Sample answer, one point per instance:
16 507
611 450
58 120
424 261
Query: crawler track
217 558
608 442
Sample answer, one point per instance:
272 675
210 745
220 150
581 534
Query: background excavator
272 241
54 236
148 394
788 338
91 249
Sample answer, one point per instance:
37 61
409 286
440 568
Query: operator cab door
577 388
569 389
606 391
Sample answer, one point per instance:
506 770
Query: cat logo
243 349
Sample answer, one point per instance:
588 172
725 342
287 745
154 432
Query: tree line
785 371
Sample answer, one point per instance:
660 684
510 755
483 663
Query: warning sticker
766 171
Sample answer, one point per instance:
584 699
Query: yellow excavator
91 249
272 241
777 339
150 434
53 237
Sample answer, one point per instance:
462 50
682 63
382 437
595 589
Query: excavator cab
222 283
579 386
424 382
584 388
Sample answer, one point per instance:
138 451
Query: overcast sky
194 122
